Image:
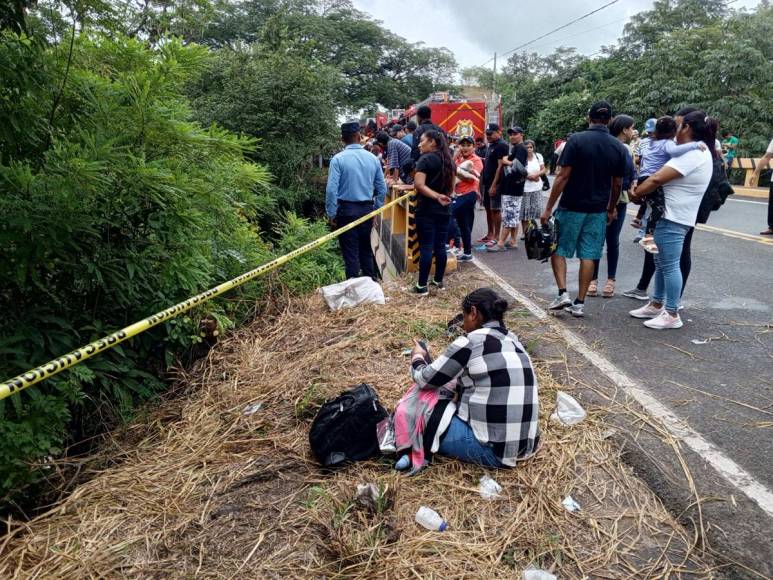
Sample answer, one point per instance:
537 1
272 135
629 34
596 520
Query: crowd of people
673 171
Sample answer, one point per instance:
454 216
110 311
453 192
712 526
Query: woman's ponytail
487 302
704 128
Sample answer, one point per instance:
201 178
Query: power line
584 16
583 32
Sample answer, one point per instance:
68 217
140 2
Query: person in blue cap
354 176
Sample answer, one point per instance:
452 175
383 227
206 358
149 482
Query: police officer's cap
350 128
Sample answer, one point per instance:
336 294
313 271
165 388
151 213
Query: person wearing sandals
434 181
621 127
531 202
511 192
684 181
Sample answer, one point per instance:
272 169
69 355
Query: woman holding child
496 423
683 181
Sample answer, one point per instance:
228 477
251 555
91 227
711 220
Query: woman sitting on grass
498 408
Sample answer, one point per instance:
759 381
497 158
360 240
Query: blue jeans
463 212
432 230
460 443
669 237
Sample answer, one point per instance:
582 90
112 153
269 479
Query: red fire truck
459 116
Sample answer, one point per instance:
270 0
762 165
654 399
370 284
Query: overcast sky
474 29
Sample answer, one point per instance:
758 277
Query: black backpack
345 427
716 193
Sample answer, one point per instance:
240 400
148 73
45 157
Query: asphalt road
722 388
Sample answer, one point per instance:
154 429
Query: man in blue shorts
592 167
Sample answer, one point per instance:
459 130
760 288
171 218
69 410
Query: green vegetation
682 52
149 151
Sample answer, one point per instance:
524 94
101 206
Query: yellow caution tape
79 355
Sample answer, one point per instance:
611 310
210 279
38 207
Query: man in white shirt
763 164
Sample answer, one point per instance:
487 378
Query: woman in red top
467 192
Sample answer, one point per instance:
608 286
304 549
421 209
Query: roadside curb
756 192
675 462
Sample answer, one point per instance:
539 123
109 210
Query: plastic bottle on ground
430 519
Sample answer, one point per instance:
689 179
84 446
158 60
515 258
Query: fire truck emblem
464 128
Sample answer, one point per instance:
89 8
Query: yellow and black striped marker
412 251
79 355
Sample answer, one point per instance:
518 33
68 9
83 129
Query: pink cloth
410 420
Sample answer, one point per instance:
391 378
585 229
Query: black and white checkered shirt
497 386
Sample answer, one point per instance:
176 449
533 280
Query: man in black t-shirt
424 115
492 170
592 167
480 147
510 191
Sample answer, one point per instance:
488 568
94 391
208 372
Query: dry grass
198 489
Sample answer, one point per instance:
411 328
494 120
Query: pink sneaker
664 321
646 311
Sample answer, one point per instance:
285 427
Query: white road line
727 233
747 201
722 464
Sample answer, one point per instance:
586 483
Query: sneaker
636 294
437 285
560 302
464 258
664 321
455 251
576 310
420 290
646 311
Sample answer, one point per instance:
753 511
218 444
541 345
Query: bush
116 205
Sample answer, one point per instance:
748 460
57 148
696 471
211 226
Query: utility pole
495 74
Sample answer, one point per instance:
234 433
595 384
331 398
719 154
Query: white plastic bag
385 431
568 410
537 574
353 292
570 504
489 489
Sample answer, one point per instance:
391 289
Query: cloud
474 30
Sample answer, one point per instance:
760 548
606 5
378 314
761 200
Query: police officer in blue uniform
355 174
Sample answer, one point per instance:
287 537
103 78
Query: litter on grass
537 574
489 489
192 489
252 409
570 504
568 411
353 292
